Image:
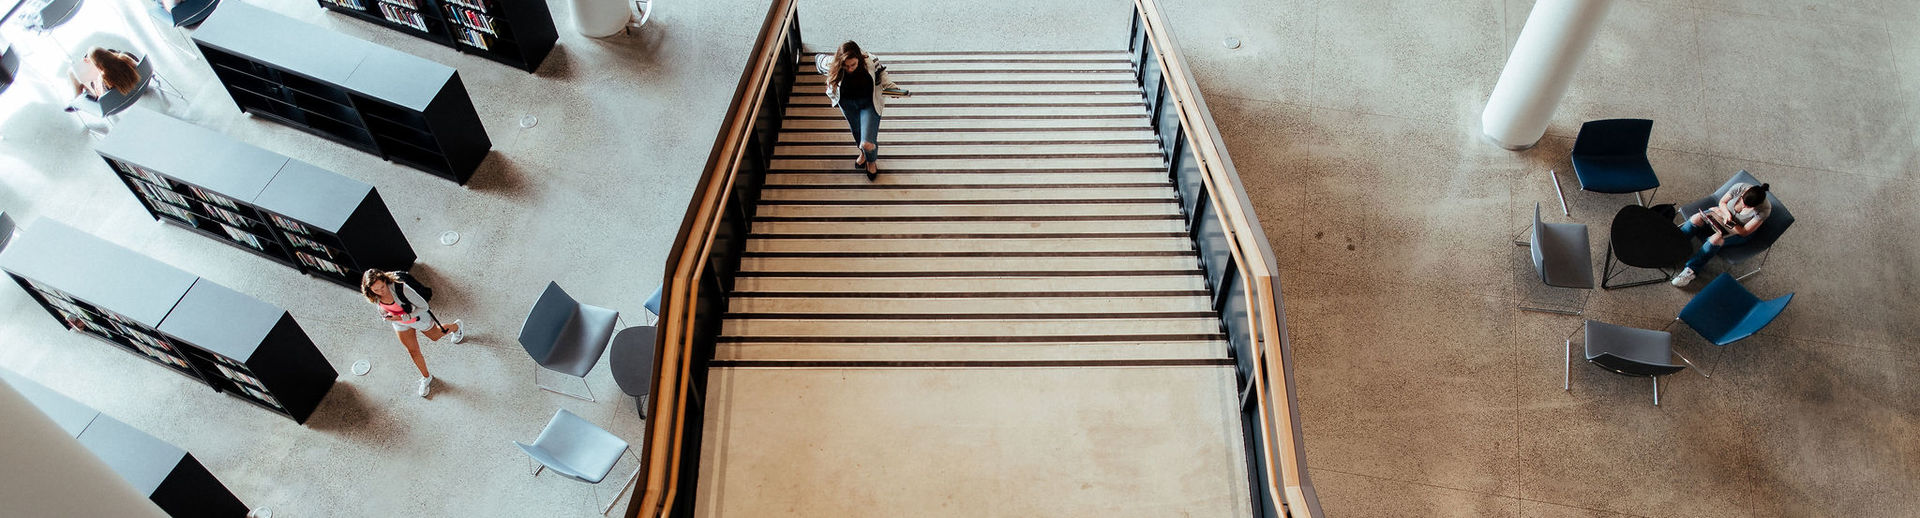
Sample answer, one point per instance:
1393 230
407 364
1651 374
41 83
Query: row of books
178 213
159 195
474 5
288 224
474 38
261 396
237 375
213 198
231 217
350 4
410 4
142 173
321 264
310 244
404 17
471 19
244 237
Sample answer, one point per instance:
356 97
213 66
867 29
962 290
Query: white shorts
421 325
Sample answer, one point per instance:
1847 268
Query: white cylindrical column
599 18
45 472
1557 35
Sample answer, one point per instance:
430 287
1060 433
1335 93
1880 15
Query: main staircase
1011 321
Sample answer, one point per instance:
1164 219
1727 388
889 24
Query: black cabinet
397 106
236 344
169 476
519 33
291 212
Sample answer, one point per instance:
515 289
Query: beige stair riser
965 264
973 138
910 80
1032 246
965 227
958 210
814 99
909 178
881 193
1025 329
973 351
1061 150
838 124
903 65
748 285
860 306
1038 90
846 163
908 112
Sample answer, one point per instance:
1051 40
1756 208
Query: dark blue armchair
1725 312
1610 156
1761 242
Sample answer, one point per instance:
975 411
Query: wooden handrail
1283 452
661 450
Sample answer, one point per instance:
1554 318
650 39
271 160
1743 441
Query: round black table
631 359
1645 237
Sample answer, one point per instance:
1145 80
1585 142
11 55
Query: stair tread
973 351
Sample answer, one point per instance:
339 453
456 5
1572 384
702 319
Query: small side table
631 359
1645 237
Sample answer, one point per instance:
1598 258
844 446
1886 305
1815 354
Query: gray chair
578 450
566 336
1760 244
631 358
1626 350
1562 256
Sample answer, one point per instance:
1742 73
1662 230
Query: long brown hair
368 277
848 50
117 70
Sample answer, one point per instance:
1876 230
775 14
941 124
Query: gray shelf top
355 64
186 151
143 460
318 197
226 322
399 78
72 416
96 271
284 42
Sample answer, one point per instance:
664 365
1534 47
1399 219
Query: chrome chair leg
1696 368
1559 193
1656 390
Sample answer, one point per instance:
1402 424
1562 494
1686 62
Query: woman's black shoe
871 176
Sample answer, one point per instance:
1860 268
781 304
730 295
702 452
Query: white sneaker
426 386
459 333
1683 278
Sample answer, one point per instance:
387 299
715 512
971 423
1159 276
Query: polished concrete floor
1353 123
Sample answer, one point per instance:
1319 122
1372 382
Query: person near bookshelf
102 69
856 82
403 307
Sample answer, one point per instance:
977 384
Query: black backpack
425 292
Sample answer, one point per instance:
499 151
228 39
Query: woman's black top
857 84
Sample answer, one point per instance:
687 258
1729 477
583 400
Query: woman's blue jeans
1707 250
864 120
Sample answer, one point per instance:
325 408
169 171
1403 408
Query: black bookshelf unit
166 474
519 33
394 105
291 212
236 344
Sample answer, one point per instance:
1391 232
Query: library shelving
519 33
397 106
294 213
169 477
236 344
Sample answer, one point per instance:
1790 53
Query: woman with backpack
406 309
855 83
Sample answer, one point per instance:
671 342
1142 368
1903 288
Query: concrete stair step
897 195
819 99
1037 90
904 65
1197 349
1067 150
1001 331
911 112
971 307
925 247
909 164
975 138
810 51
963 227
935 210
934 287
943 266
838 124
909 79
966 178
